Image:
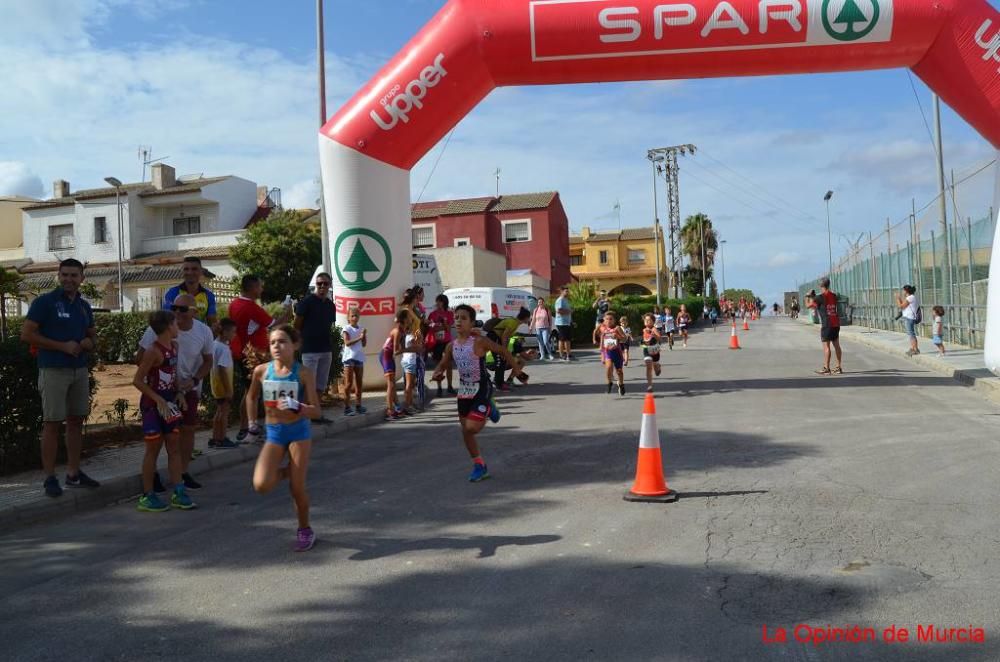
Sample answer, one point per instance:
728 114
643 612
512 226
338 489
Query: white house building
162 221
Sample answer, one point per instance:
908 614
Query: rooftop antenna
145 156
497 175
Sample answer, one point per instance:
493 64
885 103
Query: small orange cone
734 340
650 485
746 324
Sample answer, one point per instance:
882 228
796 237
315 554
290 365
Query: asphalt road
868 499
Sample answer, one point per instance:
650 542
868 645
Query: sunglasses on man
180 309
321 283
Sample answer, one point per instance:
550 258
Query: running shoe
305 539
213 443
657 370
349 411
494 411
180 499
226 443
158 484
189 482
323 420
440 392
452 392
151 503
649 389
411 411
523 378
610 386
242 435
254 431
479 472
390 416
81 480
621 389
52 487
361 409
196 453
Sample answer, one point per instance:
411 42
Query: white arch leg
992 336
368 214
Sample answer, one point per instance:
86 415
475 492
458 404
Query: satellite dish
191 178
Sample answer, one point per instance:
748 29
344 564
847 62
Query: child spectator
156 379
353 358
413 365
938 329
222 384
393 345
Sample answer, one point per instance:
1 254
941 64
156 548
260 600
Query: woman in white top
910 305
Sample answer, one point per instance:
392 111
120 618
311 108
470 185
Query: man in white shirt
910 305
194 364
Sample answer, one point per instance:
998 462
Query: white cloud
785 259
17 179
301 195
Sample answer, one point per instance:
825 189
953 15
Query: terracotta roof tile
206 252
628 234
521 201
514 202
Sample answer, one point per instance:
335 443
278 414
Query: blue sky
227 87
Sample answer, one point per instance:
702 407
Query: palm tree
696 229
10 281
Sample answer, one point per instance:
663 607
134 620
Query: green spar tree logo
844 26
359 262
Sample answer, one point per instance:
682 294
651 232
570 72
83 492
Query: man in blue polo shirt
60 325
204 298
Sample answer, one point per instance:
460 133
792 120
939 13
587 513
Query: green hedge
633 307
21 413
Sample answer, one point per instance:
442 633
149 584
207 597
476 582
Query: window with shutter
423 236
516 231
61 237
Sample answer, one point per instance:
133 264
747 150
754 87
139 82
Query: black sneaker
242 435
190 483
81 480
452 392
52 487
621 389
158 484
610 386
322 420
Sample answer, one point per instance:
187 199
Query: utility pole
668 157
321 61
945 279
656 236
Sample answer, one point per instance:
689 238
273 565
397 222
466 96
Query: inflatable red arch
473 46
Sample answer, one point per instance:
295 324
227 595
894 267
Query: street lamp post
656 234
829 235
722 254
117 183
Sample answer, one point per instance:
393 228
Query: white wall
469 266
237 198
537 285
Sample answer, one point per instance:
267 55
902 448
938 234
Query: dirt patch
114 383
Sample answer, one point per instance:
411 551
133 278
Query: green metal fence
949 266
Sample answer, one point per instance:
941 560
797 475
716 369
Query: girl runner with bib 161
285 384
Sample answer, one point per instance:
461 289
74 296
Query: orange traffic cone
734 340
650 484
746 324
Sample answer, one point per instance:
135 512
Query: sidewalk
22 500
964 364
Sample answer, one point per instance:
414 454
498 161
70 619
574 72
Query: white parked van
489 302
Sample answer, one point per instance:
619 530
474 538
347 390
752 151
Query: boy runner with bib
156 379
284 384
650 350
467 353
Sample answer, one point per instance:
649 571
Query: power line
787 204
436 162
927 125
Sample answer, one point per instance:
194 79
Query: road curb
125 488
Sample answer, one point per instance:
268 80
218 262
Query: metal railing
963 324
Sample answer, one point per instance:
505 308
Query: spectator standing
250 345
204 298
937 331
825 304
564 325
355 340
441 322
908 302
60 324
194 363
541 326
222 384
315 316
602 306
